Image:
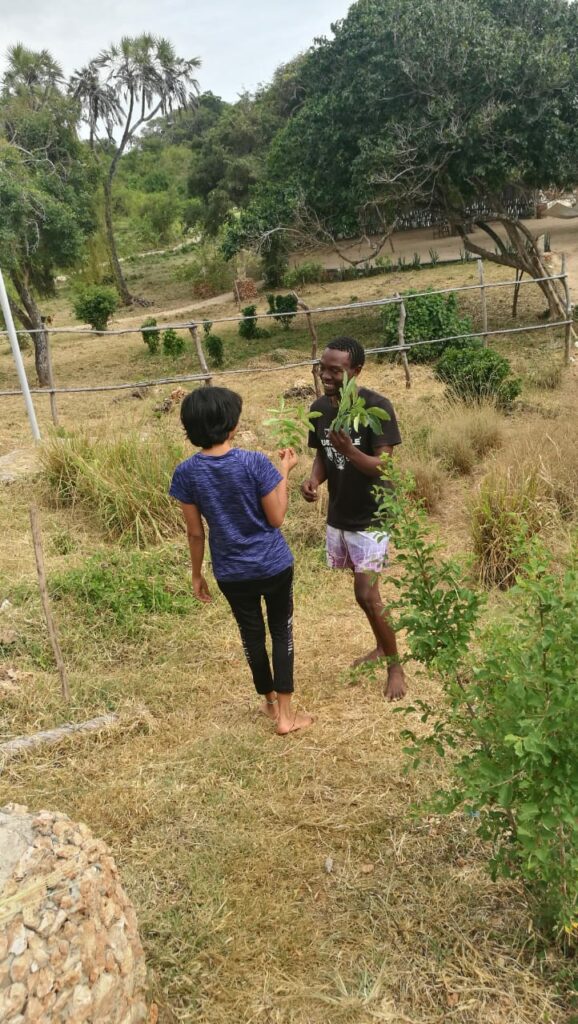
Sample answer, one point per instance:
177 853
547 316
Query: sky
240 42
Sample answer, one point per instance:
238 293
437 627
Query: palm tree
33 74
123 88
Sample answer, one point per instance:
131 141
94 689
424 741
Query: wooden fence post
401 339
313 333
484 304
53 406
193 328
568 327
39 556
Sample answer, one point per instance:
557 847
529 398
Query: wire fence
206 375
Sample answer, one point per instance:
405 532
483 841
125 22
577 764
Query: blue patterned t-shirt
227 490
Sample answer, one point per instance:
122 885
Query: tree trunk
125 296
31 318
522 254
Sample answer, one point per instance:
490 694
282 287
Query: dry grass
531 488
121 482
221 830
464 435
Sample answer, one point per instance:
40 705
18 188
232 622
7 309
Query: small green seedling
352 411
290 426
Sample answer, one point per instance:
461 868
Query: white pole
5 306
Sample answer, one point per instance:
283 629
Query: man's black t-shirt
352 504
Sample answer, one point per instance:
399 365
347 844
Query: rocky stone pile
69 945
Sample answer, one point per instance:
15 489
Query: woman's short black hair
210 414
351 345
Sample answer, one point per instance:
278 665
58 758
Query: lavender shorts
363 551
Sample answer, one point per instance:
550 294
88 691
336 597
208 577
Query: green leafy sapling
290 426
508 713
352 411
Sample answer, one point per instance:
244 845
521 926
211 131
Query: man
351 467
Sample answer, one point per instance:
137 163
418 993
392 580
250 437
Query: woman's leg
278 594
244 597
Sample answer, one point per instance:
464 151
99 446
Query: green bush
282 306
214 346
473 373
151 338
248 325
208 272
508 716
428 316
94 305
173 343
304 273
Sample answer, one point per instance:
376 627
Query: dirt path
563 238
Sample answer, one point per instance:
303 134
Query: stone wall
69 945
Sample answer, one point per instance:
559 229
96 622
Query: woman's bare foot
396 686
293 722
374 655
270 709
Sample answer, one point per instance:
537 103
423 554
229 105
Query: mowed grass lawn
276 881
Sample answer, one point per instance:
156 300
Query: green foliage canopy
429 103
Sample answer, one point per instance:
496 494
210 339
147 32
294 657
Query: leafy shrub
214 346
157 215
248 325
304 273
124 589
429 316
94 305
121 484
509 711
173 343
208 272
384 263
473 373
282 306
151 338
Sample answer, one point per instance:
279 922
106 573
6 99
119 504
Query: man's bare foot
370 656
295 721
396 687
270 710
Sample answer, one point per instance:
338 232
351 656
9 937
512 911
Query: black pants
245 596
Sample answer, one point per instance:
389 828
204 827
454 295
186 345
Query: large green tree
461 108
229 158
46 186
121 91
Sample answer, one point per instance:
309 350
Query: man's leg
278 594
368 597
245 601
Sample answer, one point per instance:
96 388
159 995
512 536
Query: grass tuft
120 483
466 435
